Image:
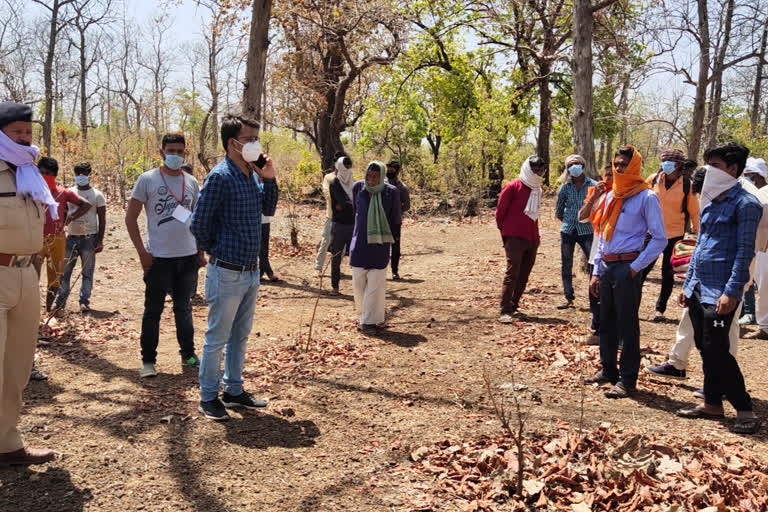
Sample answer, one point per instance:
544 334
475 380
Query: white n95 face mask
251 151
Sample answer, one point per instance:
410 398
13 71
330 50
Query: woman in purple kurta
369 260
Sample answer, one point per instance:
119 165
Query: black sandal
746 426
698 413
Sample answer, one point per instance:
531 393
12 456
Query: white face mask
81 180
251 151
716 182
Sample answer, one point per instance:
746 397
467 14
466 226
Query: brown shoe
26 456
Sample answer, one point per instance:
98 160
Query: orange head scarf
625 185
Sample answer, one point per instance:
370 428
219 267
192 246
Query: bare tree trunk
213 88
264 107
717 77
609 151
83 95
700 100
600 156
765 122
53 35
714 110
623 107
328 138
255 68
755 117
583 118
545 114
435 141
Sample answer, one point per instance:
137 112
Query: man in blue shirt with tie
227 225
714 284
630 212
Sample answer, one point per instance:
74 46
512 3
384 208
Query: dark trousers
667 276
194 284
521 255
341 238
264 266
722 375
749 301
619 306
594 307
177 277
568 242
396 231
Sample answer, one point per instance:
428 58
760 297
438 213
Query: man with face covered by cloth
24 197
629 212
517 217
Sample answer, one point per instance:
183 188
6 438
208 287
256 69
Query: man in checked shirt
714 284
227 225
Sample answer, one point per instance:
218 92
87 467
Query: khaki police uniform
21 237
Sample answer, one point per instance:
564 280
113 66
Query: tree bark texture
583 115
716 79
545 114
53 34
700 100
755 114
256 64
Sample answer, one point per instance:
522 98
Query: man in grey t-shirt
170 259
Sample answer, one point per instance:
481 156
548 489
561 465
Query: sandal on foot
619 391
697 413
598 378
746 426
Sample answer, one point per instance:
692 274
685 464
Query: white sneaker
147 370
506 319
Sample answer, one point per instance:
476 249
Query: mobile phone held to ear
261 161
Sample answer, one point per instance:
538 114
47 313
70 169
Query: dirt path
344 416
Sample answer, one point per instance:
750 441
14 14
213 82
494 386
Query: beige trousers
325 242
370 287
761 279
19 318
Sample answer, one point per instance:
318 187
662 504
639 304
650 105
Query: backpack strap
686 192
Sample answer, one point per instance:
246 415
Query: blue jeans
568 242
82 246
231 297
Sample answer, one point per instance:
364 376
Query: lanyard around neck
183 187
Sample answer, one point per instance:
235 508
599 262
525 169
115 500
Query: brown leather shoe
26 456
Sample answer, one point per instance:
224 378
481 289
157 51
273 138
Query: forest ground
344 416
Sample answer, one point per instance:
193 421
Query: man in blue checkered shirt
570 199
714 284
227 225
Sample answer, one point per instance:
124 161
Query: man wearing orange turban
625 216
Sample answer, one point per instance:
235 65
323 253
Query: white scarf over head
29 182
533 181
757 166
345 177
715 183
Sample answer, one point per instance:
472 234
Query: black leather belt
232 266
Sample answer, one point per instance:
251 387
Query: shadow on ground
25 490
